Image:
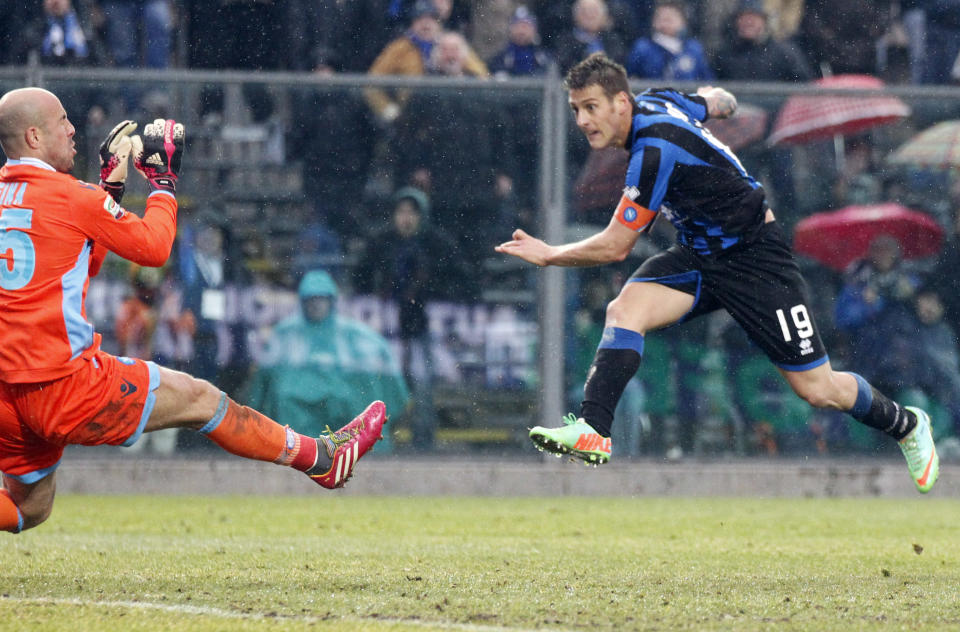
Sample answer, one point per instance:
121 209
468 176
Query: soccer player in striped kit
730 254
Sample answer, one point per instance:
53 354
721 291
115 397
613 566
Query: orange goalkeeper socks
245 432
10 517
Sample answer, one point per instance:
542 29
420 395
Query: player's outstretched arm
156 155
720 103
613 243
527 247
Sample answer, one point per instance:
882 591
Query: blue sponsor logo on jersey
630 214
127 361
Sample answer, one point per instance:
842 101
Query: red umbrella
804 119
837 238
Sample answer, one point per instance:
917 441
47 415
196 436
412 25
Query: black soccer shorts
758 283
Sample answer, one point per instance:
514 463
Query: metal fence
277 153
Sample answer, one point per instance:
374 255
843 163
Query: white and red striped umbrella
803 119
936 147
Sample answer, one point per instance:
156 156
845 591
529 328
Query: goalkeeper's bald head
21 109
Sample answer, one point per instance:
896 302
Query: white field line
230 614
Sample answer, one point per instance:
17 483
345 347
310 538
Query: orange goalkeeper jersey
54 232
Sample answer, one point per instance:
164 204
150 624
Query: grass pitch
328 562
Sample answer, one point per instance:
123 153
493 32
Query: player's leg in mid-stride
920 452
640 307
328 459
910 426
762 289
576 438
114 400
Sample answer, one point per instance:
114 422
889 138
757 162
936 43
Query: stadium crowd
905 41
407 148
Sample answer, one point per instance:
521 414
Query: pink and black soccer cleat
352 442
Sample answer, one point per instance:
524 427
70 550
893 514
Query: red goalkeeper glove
113 159
157 154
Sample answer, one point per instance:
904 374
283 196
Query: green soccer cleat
576 438
921 454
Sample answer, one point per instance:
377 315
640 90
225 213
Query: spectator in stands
334 158
59 35
857 181
875 310
319 364
136 318
451 57
126 20
942 39
936 365
490 25
454 16
198 327
458 148
784 17
751 53
206 279
592 32
138 33
944 279
717 19
669 53
841 37
409 55
912 19
409 262
710 21
898 58
629 19
523 55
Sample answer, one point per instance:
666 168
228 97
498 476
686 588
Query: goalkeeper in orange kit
57 387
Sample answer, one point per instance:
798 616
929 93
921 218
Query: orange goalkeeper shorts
107 402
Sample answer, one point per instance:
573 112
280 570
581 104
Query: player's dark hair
598 70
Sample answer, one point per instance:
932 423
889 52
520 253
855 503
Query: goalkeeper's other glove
113 159
157 154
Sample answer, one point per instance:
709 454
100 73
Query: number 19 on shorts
800 320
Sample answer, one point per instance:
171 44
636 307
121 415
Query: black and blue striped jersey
679 169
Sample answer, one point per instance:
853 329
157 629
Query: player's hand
526 247
720 103
157 154
114 151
